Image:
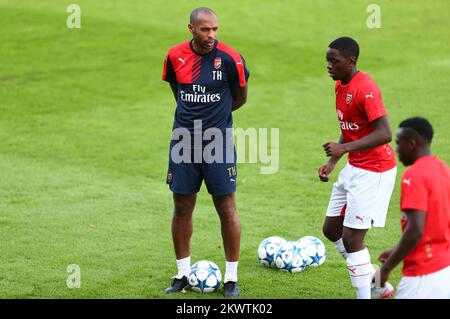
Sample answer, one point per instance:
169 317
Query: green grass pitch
85 122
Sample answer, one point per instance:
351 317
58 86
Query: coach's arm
174 88
239 97
382 135
411 236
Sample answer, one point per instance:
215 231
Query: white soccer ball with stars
314 248
205 276
291 257
267 250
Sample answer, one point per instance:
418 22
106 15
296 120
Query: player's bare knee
352 243
353 239
183 209
326 231
328 235
228 215
330 232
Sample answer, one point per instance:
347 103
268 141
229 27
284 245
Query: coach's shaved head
196 12
204 27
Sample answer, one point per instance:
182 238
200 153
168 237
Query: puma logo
353 270
180 59
370 95
407 181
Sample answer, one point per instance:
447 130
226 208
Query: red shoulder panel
237 61
182 59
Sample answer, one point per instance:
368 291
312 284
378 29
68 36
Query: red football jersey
426 187
358 103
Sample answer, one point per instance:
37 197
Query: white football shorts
362 196
432 286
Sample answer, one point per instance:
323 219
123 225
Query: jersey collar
192 48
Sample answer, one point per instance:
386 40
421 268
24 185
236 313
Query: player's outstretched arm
410 238
239 97
382 135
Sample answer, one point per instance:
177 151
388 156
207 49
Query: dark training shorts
186 178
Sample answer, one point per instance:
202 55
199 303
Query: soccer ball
291 257
267 250
205 276
314 248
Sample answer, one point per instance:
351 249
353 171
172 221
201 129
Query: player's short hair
347 46
420 125
196 12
